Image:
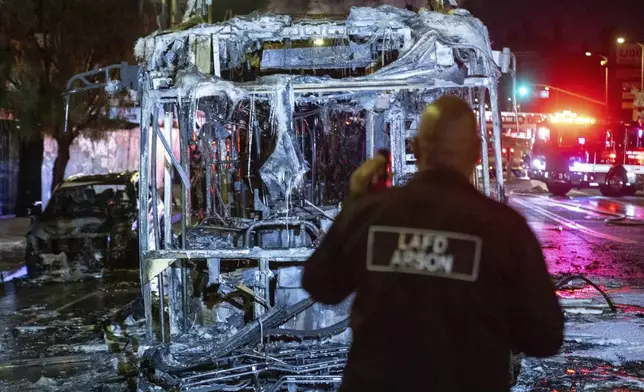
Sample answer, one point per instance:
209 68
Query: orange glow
568 117
612 156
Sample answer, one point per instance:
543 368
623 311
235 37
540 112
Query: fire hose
559 285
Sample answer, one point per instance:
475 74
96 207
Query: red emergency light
639 155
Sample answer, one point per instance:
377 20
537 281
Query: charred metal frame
164 262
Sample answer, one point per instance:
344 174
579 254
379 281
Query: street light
622 40
604 63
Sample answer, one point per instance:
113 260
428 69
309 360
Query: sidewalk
12 247
12 233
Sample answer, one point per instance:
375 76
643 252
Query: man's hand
367 174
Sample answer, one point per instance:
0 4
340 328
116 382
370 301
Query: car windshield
90 199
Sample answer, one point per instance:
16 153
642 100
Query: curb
10 244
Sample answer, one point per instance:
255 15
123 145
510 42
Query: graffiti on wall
111 152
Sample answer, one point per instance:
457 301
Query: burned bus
282 110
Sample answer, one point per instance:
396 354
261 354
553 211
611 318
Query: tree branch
91 116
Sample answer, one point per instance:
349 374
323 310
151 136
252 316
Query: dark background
551 37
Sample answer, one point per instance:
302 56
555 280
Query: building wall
9 165
115 151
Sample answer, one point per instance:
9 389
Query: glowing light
543 133
639 155
620 40
568 117
547 88
612 156
640 132
504 150
318 42
582 140
588 54
523 91
512 150
539 164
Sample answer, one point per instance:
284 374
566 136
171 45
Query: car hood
70 228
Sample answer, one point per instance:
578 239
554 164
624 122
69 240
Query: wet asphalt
49 338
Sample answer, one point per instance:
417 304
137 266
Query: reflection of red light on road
578 293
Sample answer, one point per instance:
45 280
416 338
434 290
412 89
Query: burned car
89 224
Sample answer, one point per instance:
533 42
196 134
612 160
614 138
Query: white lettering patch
424 252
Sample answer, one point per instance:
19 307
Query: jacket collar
445 175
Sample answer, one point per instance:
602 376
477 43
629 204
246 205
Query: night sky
582 20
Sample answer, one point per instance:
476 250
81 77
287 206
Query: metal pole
186 127
167 180
155 214
514 90
606 87
173 12
485 161
143 212
496 132
67 97
153 179
514 107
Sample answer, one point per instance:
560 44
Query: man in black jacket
447 281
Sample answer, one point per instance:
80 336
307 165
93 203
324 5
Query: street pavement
598 238
601 239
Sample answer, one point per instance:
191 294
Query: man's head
448 136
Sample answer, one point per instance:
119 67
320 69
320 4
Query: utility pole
163 18
173 13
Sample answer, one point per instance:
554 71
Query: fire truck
575 152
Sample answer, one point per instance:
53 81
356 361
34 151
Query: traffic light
523 91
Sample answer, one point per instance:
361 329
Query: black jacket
447 283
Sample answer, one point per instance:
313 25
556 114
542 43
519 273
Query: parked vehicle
89 224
